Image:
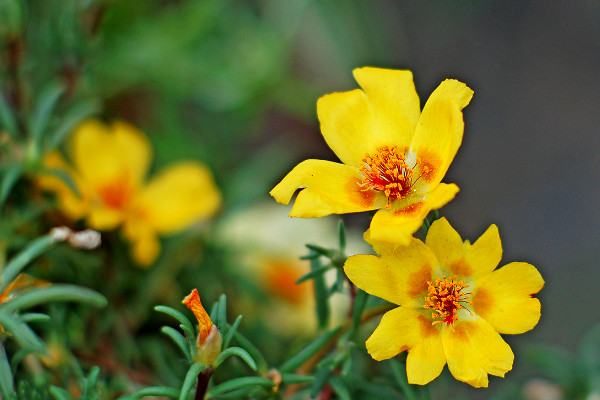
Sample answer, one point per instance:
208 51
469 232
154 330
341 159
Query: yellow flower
209 340
452 303
110 164
394 155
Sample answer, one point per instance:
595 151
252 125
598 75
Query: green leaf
35 317
190 379
340 387
21 332
46 102
254 351
89 390
59 292
8 122
221 321
313 273
321 250
342 236
11 176
59 393
21 260
399 372
239 383
237 351
179 316
321 296
179 340
231 331
289 378
360 301
321 378
71 118
7 388
307 352
164 391
64 176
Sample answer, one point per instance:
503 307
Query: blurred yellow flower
394 156
109 167
452 303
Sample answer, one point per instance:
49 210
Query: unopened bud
87 240
60 233
208 352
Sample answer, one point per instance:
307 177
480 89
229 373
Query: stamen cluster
387 171
446 298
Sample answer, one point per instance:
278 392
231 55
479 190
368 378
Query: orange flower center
116 194
388 172
280 280
446 297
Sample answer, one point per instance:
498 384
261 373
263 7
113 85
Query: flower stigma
387 171
446 296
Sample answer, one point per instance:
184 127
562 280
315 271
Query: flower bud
209 340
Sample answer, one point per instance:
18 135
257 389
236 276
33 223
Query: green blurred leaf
310 350
399 373
8 122
360 301
35 317
46 101
340 387
70 120
313 273
289 378
21 332
58 292
237 351
59 393
321 295
238 383
342 236
89 389
321 378
254 351
21 260
190 379
11 176
6 379
154 391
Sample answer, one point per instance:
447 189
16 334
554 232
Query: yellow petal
145 246
179 196
104 154
397 226
399 277
104 218
70 204
406 217
426 359
474 350
439 132
461 258
505 298
355 123
399 330
330 188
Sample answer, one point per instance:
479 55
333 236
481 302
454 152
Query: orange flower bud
209 340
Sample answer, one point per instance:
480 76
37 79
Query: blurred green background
234 84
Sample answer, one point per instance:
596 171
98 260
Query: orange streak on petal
192 301
410 209
428 164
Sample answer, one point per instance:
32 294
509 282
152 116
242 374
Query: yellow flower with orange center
394 156
110 164
453 303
